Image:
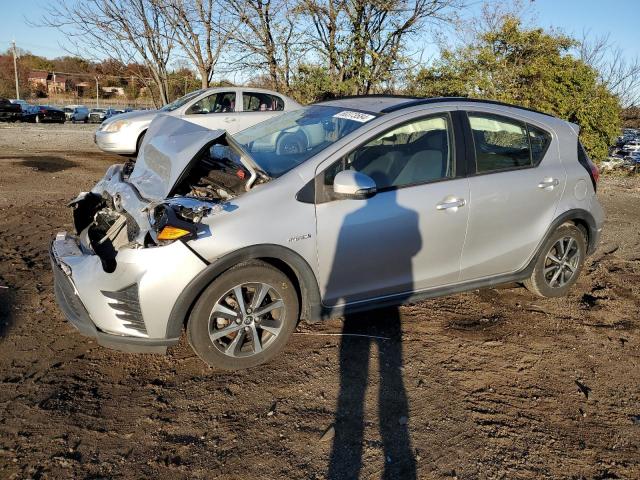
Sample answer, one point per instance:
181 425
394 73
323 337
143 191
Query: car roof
391 103
370 103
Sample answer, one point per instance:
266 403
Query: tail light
589 166
595 173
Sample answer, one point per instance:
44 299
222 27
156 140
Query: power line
100 75
92 75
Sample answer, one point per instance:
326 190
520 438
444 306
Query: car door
407 237
516 183
214 111
257 107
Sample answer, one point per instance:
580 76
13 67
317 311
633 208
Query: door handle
549 183
451 204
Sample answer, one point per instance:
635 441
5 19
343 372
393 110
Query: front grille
127 307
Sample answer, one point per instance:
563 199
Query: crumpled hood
169 146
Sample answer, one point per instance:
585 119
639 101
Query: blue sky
619 18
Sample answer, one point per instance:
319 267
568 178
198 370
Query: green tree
532 68
314 83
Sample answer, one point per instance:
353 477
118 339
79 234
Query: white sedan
229 108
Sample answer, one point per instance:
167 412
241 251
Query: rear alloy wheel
38 119
560 263
244 318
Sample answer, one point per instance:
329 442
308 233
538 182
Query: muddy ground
487 384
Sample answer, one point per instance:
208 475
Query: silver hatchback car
345 205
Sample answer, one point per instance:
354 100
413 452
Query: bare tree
618 73
363 41
201 29
267 37
490 18
124 30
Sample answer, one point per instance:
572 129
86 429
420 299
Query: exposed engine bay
217 175
114 214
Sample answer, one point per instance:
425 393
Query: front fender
309 290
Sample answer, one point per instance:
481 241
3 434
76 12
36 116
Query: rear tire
559 265
223 331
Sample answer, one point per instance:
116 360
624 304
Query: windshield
280 144
68 110
181 101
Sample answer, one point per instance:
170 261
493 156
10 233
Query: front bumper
86 294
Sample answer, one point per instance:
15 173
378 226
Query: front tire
244 317
560 263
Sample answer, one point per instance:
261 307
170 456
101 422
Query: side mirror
350 184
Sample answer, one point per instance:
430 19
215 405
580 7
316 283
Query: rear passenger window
500 143
415 152
261 102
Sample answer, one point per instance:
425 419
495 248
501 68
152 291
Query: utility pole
97 93
15 70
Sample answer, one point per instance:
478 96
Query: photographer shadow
380 328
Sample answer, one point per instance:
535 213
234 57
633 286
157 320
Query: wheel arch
583 220
580 218
286 260
139 140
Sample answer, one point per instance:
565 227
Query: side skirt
409 298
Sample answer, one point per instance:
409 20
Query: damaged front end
162 198
127 263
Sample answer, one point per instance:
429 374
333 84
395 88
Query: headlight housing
116 126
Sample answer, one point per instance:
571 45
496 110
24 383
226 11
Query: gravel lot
488 384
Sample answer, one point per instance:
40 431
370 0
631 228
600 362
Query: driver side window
224 102
415 152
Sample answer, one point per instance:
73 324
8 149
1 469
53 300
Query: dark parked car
9 112
45 113
99 115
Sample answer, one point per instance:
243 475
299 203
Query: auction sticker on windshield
355 116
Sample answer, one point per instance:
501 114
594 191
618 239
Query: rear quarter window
540 141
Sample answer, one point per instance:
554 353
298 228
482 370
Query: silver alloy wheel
561 262
246 319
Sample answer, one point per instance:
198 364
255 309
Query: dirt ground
487 384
